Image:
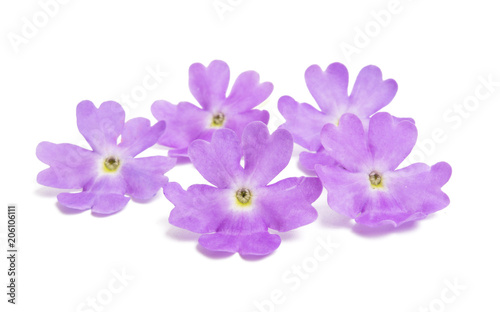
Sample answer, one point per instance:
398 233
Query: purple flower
235 215
329 88
365 184
186 122
109 171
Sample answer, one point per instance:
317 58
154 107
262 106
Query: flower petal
311 188
247 93
254 244
265 155
145 176
70 166
218 161
181 152
138 136
184 123
370 93
286 205
200 209
321 157
390 141
209 84
303 121
79 201
238 122
346 143
329 87
411 194
347 191
109 203
105 196
100 126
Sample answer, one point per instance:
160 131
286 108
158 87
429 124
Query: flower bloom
186 122
329 89
365 184
109 171
235 215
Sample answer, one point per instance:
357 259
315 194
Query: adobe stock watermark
30 27
222 7
104 297
363 35
293 278
454 118
449 294
153 78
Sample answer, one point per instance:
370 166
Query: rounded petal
70 166
309 160
348 192
105 196
100 126
254 244
410 194
311 188
209 84
138 136
265 155
218 161
100 203
303 121
109 203
238 122
346 143
390 141
200 209
329 87
145 176
79 201
286 205
184 123
370 93
247 93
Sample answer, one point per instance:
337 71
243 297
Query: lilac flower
187 122
329 88
365 184
235 215
109 171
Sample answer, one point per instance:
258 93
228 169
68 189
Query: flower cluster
354 150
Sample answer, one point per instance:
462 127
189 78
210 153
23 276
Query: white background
437 51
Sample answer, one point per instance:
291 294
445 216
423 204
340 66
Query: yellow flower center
243 197
218 120
111 164
375 179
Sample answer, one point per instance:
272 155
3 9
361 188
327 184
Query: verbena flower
186 122
365 184
369 94
235 214
109 171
